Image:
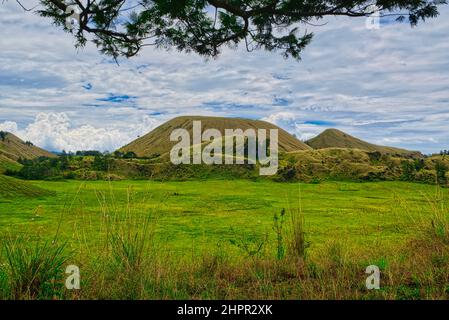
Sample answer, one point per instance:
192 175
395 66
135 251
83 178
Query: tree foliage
3 135
441 171
124 27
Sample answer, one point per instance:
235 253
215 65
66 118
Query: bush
287 173
408 170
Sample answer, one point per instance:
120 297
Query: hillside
8 164
11 188
13 148
158 140
333 138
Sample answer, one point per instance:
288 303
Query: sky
388 86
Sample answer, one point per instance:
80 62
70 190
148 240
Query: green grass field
209 212
196 220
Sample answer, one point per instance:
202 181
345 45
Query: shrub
287 173
408 170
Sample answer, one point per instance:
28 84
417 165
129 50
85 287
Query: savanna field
224 239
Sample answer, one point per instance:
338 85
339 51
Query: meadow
225 239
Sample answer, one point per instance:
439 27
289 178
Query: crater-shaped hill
158 140
13 148
334 138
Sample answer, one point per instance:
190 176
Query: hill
13 148
8 164
158 140
333 138
11 188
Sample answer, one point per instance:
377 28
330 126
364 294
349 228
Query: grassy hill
158 140
333 138
11 188
13 148
8 164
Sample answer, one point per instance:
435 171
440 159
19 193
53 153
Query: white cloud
55 132
277 118
9 126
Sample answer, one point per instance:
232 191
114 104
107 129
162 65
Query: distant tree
408 170
130 155
375 156
118 154
124 27
3 135
419 164
287 173
441 170
101 163
64 162
89 153
37 169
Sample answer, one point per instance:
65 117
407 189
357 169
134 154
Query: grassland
205 211
227 239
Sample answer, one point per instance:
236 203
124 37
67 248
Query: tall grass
298 243
129 233
34 271
439 219
278 227
129 244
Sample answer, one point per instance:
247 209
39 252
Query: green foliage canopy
124 27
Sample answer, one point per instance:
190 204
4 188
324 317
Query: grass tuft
34 271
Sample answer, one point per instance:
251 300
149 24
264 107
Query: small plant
279 220
336 254
251 244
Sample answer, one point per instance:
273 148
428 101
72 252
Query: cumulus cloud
277 118
9 126
55 132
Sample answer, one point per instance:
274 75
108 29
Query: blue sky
388 86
